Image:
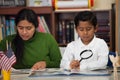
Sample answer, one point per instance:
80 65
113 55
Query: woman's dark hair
30 16
85 16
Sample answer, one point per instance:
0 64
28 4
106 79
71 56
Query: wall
103 4
118 26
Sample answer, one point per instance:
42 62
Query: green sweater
42 47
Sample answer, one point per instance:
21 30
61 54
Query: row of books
104 28
103 32
43 27
7 26
56 4
103 25
62 4
39 3
12 3
66 31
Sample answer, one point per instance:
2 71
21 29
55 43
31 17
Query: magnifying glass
85 54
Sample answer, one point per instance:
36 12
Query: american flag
7 59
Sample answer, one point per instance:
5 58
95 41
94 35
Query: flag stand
7 59
6 74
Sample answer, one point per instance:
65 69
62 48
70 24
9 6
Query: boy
87 52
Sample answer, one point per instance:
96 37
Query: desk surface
25 77
80 77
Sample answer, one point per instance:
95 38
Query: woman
33 49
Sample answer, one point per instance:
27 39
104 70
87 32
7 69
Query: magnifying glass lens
86 54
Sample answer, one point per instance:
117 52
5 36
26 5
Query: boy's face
86 31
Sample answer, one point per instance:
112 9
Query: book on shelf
12 3
70 31
42 27
103 29
66 31
21 2
68 34
39 3
7 26
12 25
60 33
3 26
45 24
1 34
0 29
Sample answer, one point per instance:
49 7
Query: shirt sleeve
102 58
67 57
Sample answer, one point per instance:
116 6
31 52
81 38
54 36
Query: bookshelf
104 22
105 26
14 10
47 12
55 18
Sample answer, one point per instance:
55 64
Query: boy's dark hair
30 16
85 16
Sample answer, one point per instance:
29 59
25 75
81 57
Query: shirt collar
92 43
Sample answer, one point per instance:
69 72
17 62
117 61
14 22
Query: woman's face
25 29
86 31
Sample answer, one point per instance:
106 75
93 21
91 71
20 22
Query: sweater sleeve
54 53
3 42
2 45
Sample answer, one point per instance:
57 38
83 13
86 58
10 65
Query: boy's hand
75 64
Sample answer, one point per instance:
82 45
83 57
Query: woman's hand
75 64
39 65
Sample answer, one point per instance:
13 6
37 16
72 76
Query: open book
59 72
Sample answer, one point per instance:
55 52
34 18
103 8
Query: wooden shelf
14 10
104 20
47 12
54 17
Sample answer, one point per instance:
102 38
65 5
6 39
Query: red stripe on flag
6 63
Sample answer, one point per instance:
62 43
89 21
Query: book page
60 72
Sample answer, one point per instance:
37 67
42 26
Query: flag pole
7 44
5 73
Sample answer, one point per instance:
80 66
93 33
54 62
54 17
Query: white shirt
98 60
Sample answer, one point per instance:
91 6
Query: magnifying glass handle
80 60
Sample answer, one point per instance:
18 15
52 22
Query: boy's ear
76 29
96 29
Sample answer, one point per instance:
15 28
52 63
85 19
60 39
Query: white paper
72 4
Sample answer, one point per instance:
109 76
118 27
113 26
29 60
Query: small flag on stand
7 59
